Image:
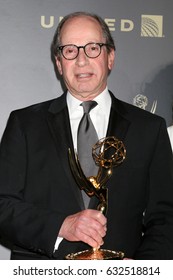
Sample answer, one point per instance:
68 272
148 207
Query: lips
84 75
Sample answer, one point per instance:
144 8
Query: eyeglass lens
92 50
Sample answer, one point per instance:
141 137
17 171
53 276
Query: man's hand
88 226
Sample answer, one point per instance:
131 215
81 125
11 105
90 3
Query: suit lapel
59 124
118 123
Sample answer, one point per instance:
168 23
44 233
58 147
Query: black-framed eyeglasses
92 50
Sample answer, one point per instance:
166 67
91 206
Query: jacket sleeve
22 223
157 239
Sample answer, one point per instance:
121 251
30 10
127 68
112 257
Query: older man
42 210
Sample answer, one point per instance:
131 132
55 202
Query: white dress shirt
99 116
170 132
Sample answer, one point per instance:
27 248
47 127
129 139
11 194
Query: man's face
84 77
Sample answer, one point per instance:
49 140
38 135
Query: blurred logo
151 26
141 101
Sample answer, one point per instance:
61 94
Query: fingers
91 232
88 226
94 240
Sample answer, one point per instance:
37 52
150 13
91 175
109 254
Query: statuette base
100 254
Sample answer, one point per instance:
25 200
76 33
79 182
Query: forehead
83 28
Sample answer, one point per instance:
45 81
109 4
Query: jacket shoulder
134 113
34 108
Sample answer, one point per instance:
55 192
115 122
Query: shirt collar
103 100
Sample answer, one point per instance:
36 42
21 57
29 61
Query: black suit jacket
37 189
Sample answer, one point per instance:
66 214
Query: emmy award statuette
107 153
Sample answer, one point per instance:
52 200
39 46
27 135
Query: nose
81 59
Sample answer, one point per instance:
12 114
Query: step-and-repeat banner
143 72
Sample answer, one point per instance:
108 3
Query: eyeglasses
92 50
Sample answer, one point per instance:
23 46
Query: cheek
104 64
103 68
68 73
67 69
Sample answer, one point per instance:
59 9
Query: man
42 211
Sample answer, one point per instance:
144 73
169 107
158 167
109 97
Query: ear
111 59
58 64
